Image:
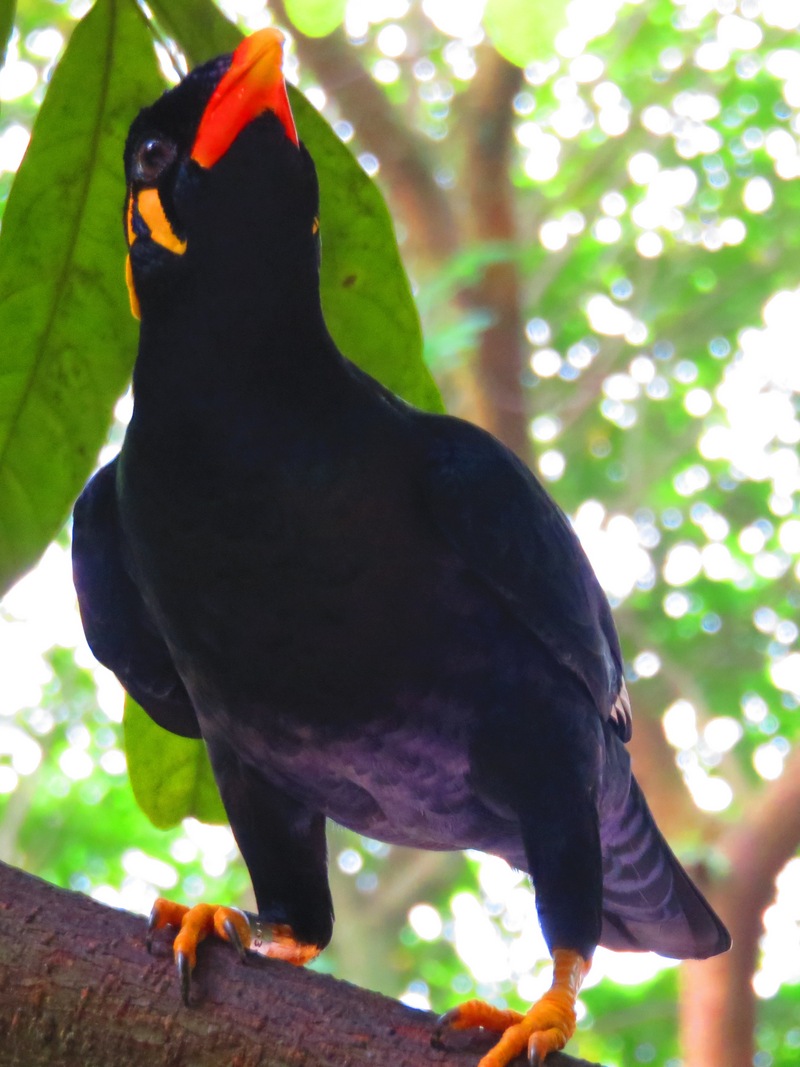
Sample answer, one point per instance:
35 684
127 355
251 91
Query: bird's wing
496 515
649 901
115 619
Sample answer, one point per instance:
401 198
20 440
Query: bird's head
221 195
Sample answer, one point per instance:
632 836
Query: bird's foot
281 944
546 1028
195 924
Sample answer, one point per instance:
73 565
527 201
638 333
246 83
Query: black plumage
369 613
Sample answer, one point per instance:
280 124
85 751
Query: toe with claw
544 1029
195 924
203 920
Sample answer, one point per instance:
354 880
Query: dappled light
650 274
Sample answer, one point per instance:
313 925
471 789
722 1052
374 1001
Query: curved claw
152 923
545 1028
184 975
444 1022
543 1042
233 936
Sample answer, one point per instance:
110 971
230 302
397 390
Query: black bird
369 614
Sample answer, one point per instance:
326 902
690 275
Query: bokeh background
598 206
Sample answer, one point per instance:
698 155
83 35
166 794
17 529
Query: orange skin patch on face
148 203
136 311
149 206
129 221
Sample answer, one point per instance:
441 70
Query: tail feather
649 901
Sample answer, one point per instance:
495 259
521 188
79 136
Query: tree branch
758 847
78 987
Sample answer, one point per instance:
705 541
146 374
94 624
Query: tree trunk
77 987
718 1011
718 1002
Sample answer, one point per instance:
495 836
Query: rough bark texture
77 987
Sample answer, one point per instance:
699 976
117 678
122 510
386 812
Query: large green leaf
198 27
67 340
366 296
171 776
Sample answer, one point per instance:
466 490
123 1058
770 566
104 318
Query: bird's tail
649 901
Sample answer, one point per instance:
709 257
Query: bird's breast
312 582
403 778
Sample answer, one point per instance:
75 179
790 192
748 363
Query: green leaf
171 776
198 26
524 30
316 18
366 295
7 9
68 339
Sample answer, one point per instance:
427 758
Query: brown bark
718 1004
487 116
78 989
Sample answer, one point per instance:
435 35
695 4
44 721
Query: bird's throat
234 381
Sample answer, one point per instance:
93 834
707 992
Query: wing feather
119 630
497 516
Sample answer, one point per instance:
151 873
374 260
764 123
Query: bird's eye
152 158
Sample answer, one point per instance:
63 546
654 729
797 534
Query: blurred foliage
81 827
523 30
316 18
656 166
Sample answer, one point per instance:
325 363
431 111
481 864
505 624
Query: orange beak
252 85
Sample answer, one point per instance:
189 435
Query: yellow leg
546 1028
283 946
